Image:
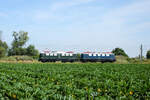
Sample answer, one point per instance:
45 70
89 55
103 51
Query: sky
79 25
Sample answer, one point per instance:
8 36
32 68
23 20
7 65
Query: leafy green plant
74 81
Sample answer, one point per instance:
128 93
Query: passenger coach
98 57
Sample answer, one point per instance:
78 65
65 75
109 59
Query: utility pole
141 52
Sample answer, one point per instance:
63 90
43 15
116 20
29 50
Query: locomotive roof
97 53
60 52
63 52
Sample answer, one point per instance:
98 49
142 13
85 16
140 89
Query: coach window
55 54
99 54
94 54
47 54
67 54
71 54
90 54
103 55
107 55
63 54
51 54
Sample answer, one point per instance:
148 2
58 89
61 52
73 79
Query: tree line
18 47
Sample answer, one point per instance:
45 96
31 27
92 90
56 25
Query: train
55 56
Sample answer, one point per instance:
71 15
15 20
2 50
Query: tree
119 51
31 51
19 41
5 45
148 54
3 48
18 48
2 52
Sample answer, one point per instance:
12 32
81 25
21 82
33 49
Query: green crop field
88 81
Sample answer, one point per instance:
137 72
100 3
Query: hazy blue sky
79 25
